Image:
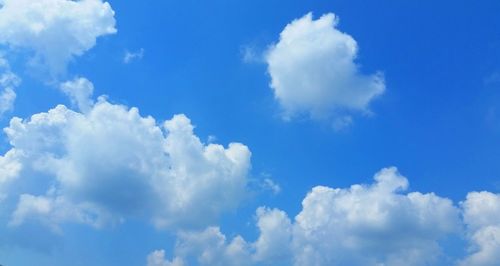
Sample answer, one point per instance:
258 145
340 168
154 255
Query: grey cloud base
365 225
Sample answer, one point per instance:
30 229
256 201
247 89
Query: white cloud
10 167
110 163
8 83
210 247
273 244
313 72
52 210
481 212
341 227
132 56
80 92
54 30
346 226
157 258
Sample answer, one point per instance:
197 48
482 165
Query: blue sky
428 73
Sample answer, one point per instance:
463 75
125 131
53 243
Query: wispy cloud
129 57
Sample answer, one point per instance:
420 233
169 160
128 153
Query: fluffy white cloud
481 211
313 71
111 163
8 82
80 92
10 167
346 226
55 30
361 225
273 244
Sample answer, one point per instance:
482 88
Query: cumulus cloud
313 72
362 217
481 212
54 30
273 244
342 226
110 163
8 83
10 167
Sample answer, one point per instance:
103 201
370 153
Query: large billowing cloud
110 163
313 71
359 219
362 225
54 30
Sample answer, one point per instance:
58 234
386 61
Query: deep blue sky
438 121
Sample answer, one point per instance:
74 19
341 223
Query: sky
174 133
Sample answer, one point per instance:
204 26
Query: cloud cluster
107 163
54 30
313 72
339 227
110 163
